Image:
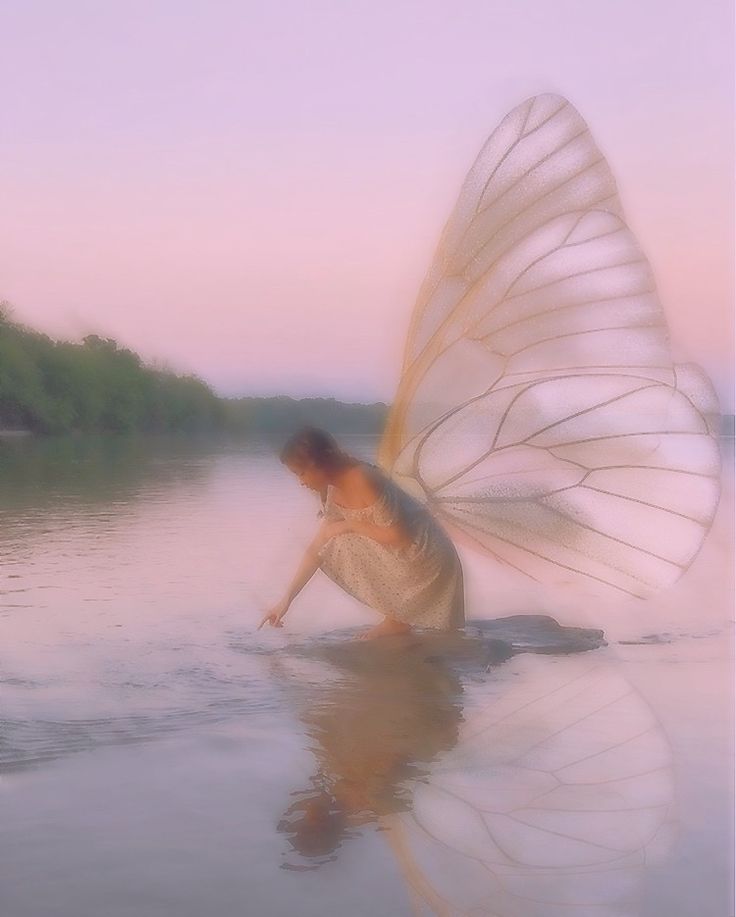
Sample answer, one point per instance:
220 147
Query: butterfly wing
539 412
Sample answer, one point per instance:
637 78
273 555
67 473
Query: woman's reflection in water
394 707
550 791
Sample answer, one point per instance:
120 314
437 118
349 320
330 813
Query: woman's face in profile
309 474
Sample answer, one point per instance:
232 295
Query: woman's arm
308 566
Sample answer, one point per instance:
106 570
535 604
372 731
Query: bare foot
387 627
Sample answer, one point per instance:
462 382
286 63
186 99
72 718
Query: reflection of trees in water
91 469
547 796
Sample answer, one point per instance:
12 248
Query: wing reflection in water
552 803
539 792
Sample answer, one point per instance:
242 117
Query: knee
345 538
318 546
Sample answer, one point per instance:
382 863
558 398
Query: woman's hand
275 614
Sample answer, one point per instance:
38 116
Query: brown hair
315 445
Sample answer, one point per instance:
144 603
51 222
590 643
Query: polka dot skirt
420 584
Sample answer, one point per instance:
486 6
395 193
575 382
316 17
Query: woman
376 541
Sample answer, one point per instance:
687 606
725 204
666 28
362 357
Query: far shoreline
726 431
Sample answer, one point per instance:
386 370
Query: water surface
161 756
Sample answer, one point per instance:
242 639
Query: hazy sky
253 191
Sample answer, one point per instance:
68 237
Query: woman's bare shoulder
366 481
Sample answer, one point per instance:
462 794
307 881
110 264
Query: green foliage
281 413
56 387
59 386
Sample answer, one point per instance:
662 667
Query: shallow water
161 756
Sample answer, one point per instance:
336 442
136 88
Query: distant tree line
49 386
58 386
281 413
52 387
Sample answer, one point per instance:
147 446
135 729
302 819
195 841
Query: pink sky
253 191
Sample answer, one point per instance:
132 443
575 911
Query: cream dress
420 584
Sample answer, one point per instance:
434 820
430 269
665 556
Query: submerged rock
481 645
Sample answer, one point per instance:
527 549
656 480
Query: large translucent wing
555 799
539 412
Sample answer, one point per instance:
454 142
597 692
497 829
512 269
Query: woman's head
313 455
315 826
